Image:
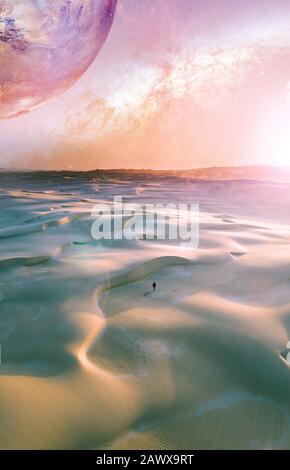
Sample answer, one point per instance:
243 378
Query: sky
178 84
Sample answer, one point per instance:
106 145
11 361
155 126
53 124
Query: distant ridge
255 172
258 172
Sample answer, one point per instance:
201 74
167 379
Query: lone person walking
154 285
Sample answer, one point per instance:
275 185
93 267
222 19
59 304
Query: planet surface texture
45 46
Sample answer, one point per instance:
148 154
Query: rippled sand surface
91 358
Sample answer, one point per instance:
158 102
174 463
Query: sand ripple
92 358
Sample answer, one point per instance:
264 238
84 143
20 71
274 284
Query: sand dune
92 358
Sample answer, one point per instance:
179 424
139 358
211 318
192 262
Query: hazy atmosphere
178 84
144 303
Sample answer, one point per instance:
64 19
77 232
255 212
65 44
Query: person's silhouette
154 285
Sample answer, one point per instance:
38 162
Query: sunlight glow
274 138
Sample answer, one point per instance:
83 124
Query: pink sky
178 84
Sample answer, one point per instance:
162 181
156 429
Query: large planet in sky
45 46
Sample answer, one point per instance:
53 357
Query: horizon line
155 170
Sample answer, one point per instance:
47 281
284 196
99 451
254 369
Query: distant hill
258 172
242 172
